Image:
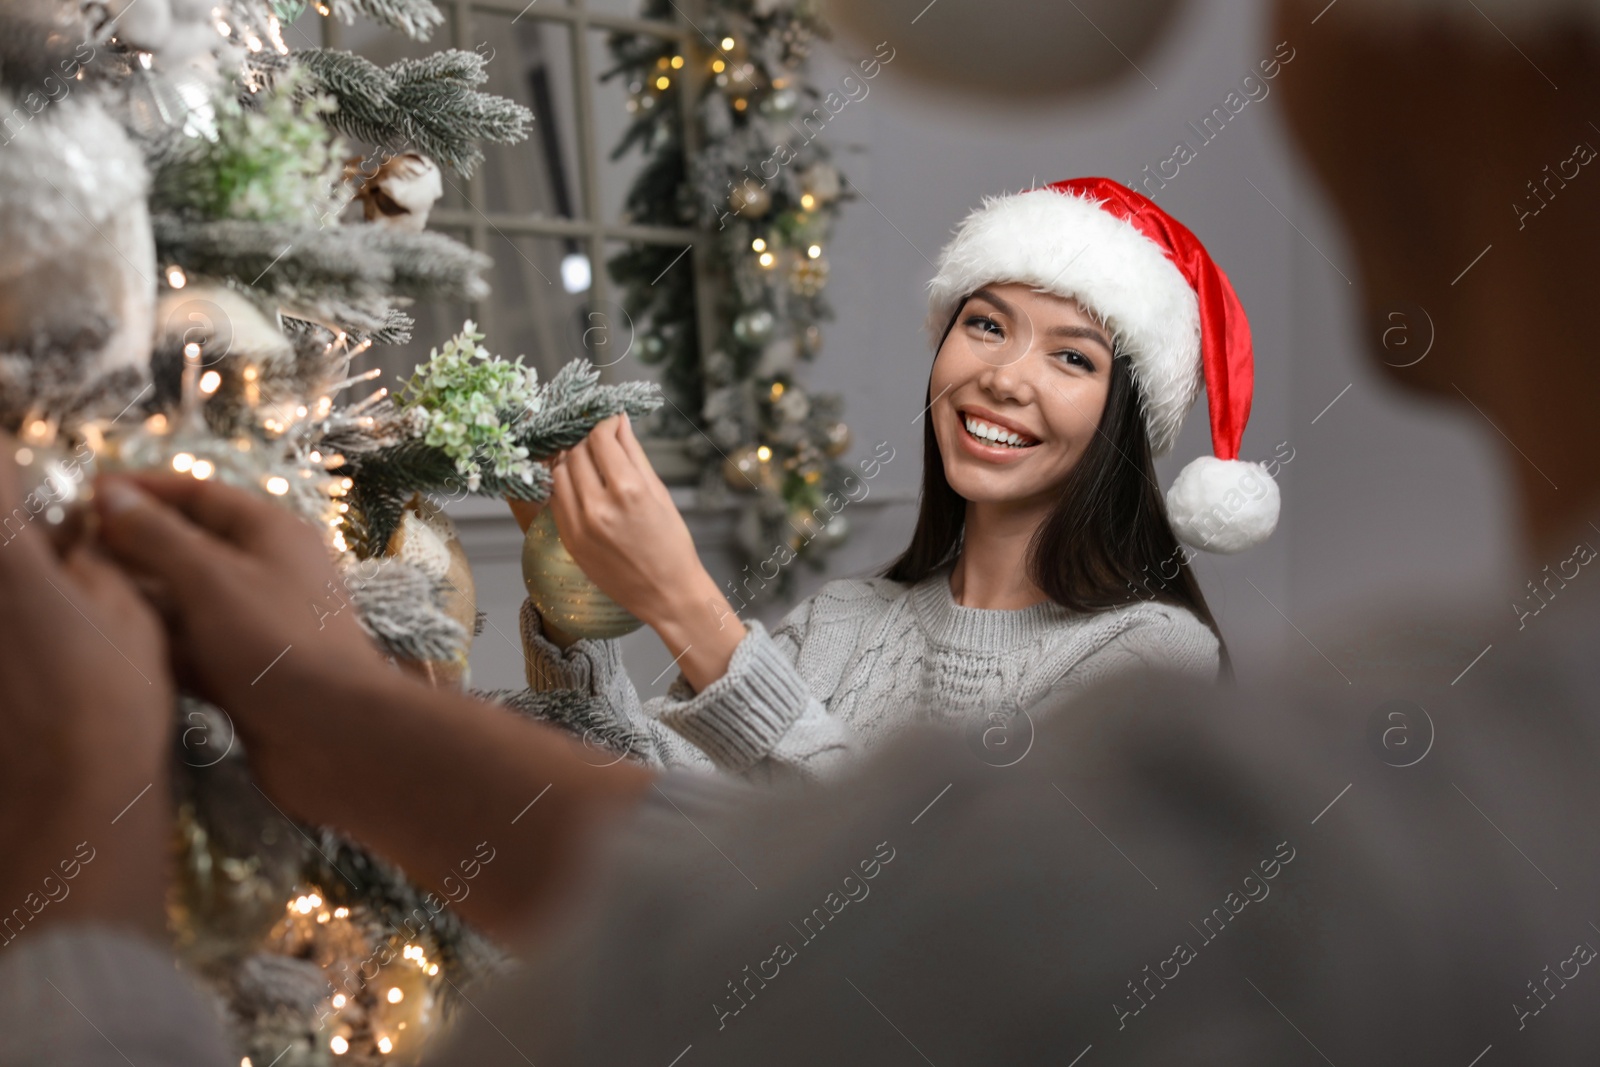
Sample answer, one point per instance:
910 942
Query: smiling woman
1075 326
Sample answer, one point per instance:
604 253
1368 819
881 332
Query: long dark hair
1106 542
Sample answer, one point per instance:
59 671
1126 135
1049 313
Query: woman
1075 325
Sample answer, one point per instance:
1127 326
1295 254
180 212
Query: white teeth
979 428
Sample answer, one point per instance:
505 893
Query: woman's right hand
617 519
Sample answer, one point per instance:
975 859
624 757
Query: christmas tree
205 231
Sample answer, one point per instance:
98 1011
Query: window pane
536 308
532 64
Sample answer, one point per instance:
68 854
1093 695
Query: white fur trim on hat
1066 245
1223 505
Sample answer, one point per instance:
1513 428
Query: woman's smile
993 438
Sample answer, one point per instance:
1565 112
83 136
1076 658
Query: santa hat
1171 311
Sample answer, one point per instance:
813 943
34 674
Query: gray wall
1384 501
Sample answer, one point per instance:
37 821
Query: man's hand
257 612
87 716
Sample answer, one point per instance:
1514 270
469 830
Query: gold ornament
563 594
809 276
750 200
838 439
405 1008
427 539
749 469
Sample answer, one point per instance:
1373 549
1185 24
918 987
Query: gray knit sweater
861 660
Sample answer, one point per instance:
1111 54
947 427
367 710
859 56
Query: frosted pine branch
344 274
428 104
416 19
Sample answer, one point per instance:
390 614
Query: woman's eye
1076 359
984 323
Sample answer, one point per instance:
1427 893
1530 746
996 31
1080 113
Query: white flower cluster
471 401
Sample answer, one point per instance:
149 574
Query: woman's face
1031 369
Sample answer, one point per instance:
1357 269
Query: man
1262 876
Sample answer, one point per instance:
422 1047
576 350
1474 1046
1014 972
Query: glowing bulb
385 1046
300 411
24 456
759 244
433 968
341 913
251 374
718 66
253 43
316 901
727 43
663 81
808 201
191 351
763 453
176 278
156 423
338 1000
246 1062
740 104
396 995
144 60
767 259
202 469
323 917
182 461
814 251
277 485
677 62
224 29
210 382
777 388
339 1045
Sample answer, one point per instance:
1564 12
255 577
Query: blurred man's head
1456 142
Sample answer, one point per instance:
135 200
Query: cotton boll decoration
401 192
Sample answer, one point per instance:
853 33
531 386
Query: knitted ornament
1171 312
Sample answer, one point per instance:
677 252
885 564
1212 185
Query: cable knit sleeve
760 720
594 667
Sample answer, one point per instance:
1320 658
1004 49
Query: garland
765 191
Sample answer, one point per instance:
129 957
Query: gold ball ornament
749 200
427 539
810 276
405 1007
837 439
750 469
564 595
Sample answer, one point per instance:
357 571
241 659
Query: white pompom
1223 505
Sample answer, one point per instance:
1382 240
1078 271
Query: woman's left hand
618 520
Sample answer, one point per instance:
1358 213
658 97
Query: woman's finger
588 488
641 462
616 466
